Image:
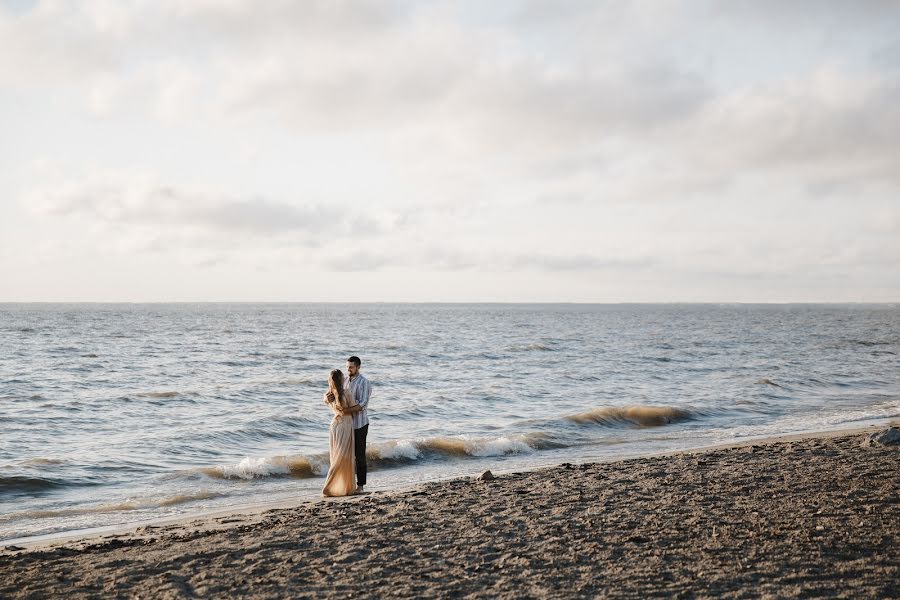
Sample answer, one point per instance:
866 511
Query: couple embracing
348 397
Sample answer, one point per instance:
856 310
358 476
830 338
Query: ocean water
120 413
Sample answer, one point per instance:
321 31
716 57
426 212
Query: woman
342 470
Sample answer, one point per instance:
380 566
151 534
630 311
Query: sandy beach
811 517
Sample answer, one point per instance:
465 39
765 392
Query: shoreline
49 540
816 515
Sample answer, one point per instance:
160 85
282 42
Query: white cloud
833 118
140 200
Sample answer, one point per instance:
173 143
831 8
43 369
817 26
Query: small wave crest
127 505
185 498
642 416
405 451
767 381
39 461
157 395
476 446
871 342
22 484
535 347
310 381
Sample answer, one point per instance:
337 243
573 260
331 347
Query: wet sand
809 517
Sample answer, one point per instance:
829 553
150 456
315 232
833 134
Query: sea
114 415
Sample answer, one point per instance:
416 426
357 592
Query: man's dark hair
355 360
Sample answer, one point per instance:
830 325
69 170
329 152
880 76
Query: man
361 390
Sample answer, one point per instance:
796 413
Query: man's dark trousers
359 445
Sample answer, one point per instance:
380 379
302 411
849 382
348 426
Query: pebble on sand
486 476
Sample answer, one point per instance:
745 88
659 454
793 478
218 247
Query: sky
395 151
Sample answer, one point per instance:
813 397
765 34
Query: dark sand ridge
818 516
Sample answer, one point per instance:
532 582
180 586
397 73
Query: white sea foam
270 466
499 447
250 468
474 446
402 450
447 447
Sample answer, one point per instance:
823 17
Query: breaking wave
384 456
274 466
397 453
641 416
405 451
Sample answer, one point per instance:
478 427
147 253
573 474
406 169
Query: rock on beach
887 437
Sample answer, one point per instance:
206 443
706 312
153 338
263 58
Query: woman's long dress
342 468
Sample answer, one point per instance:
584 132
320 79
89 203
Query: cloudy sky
238 150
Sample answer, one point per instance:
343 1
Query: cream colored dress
341 480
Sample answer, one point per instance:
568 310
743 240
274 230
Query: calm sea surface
119 413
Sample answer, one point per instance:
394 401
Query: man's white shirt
361 390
